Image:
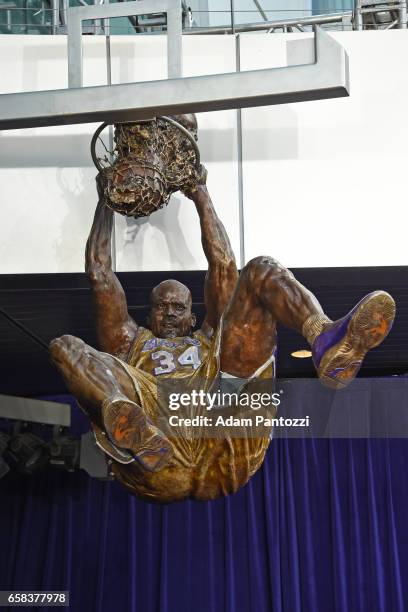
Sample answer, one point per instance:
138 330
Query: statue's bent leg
268 293
105 391
90 375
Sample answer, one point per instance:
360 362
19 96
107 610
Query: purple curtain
321 527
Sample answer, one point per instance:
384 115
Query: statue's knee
261 265
266 273
65 346
62 341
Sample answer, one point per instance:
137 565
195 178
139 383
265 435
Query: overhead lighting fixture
301 354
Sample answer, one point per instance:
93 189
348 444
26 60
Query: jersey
201 468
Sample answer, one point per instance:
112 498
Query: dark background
54 304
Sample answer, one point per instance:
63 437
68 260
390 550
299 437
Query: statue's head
170 310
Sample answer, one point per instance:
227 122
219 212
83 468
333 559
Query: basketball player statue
117 388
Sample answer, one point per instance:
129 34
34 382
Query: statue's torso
169 357
201 468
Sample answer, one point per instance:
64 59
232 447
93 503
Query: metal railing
49 17
286 25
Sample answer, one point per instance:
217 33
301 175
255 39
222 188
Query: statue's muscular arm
222 274
115 329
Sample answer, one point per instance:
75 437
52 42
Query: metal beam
358 16
261 11
76 15
327 77
402 14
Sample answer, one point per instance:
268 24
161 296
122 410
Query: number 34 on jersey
168 362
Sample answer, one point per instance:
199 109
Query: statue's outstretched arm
222 272
116 330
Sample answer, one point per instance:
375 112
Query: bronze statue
117 387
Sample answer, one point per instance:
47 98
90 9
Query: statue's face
170 310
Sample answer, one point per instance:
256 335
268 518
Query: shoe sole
367 328
129 428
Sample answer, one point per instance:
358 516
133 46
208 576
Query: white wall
324 182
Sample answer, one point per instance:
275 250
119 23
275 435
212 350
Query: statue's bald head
171 286
170 310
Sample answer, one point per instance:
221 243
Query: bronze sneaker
128 428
